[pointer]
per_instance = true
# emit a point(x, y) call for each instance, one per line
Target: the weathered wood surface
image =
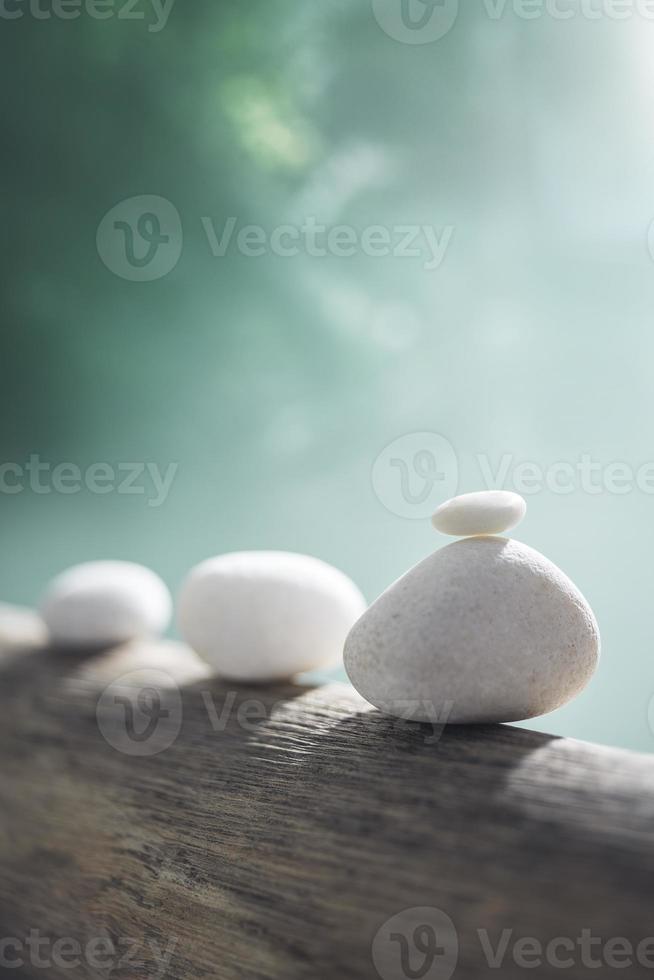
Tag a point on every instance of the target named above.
point(282, 828)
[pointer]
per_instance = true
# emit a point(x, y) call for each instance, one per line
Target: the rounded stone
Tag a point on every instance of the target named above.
point(265, 615)
point(485, 512)
point(484, 630)
point(102, 603)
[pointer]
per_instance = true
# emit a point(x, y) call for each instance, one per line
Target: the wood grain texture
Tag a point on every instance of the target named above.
point(283, 827)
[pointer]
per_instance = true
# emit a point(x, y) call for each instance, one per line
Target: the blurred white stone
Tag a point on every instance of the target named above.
point(20, 626)
point(267, 615)
point(101, 603)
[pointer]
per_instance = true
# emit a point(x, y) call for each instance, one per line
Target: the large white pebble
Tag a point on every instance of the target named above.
point(486, 512)
point(484, 630)
point(101, 603)
point(267, 615)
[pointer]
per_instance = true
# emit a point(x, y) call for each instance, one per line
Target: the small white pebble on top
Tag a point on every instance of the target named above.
point(486, 512)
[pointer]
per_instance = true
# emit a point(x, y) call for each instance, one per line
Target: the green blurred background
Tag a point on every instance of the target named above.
point(274, 383)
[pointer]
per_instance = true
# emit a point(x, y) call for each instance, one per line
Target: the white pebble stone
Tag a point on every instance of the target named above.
point(484, 630)
point(101, 603)
point(267, 615)
point(486, 512)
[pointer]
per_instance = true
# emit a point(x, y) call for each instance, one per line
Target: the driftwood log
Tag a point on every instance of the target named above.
point(161, 824)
